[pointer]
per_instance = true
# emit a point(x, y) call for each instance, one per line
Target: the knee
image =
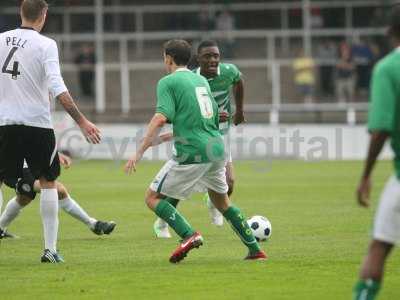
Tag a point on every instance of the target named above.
point(231, 183)
point(23, 200)
point(45, 184)
point(151, 199)
point(61, 191)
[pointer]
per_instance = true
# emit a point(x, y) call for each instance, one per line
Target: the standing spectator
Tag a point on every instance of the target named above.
point(205, 20)
point(363, 58)
point(304, 76)
point(316, 18)
point(326, 52)
point(345, 76)
point(86, 63)
point(225, 22)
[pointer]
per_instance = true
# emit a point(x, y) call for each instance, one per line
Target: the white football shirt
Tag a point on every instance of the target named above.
point(30, 71)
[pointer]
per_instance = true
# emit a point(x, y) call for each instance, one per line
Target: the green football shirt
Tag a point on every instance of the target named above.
point(384, 106)
point(221, 86)
point(185, 99)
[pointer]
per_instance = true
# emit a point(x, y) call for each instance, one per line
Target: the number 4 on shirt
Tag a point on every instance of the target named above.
point(14, 72)
point(205, 103)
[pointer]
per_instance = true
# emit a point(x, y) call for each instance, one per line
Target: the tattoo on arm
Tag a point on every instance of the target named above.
point(70, 107)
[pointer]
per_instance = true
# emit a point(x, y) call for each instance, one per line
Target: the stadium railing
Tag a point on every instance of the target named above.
point(271, 63)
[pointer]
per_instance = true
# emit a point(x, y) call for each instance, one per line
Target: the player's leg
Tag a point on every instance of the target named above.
point(71, 207)
point(215, 180)
point(385, 234)
point(160, 227)
point(238, 223)
point(372, 269)
point(11, 212)
point(165, 211)
point(42, 159)
point(11, 163)
point(1, 197)
point(178, 183)
point(49, 213)
point(215, 215)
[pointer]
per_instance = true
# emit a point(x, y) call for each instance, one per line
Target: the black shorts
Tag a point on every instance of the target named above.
point(35, 145)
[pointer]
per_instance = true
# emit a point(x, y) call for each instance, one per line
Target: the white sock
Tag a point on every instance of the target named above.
point(161, 223)
point(71, 207)
point(49, 213)
point(1, 200)
point(11, 211)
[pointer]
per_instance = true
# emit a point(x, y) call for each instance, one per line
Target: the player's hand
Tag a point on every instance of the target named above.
point(363, 192)
point(223, 117)
point(131, 164)
point(65, 160)
point(91, 132)
point(239, 118)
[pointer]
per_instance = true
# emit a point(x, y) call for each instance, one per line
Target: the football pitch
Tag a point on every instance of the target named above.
point(319, 236)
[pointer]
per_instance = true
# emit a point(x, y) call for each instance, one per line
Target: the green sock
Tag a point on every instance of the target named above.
point(174, 219)
point(366, 289)
point(174, 202)
point(240, 226)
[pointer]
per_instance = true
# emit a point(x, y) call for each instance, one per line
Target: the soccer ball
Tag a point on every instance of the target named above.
point(261, 228)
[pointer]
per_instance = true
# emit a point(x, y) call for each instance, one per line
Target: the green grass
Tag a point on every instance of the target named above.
point(319, 237)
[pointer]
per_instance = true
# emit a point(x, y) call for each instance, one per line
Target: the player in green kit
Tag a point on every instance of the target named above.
point(184, 99)
point(383, 123)
point(223, 79)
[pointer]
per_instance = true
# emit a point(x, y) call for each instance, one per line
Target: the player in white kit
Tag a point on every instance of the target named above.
point(30, 70)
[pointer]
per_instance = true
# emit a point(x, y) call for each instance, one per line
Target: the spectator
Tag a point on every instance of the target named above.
point(363, 58)
point(316, 18)
point(326, 52)
point(86, 63)
point(345, 76)
point(225, 22)
point(205, 20)
point(378, 18)
point(304, 76)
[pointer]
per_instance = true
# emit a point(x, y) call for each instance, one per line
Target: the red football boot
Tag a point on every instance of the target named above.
point(260, 255)
point(194, 241)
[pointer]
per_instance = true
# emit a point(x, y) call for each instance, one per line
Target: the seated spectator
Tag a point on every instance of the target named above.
point(304, 75)
point(345, 77)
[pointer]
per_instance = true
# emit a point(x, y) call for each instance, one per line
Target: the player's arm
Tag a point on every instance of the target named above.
point(89, 130)
point(153, 129)
point(238, 94)
point(381, 120)
point(163, 138)
point(59, 91)
point(377, 141)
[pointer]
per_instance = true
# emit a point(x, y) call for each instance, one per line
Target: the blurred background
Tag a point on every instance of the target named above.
point(305, 62)
point(339, 41)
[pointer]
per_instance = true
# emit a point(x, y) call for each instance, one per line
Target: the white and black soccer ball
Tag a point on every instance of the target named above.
point(261, 228)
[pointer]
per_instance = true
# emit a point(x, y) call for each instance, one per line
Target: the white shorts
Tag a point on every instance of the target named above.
point(180, 181)
point(387, 218)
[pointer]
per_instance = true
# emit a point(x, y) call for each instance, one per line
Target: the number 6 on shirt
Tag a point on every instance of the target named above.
point(205, 103)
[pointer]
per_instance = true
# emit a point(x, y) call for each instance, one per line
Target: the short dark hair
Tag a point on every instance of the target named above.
point(205, 44)
point(394, 21)
point(32, 9)
point(179, 50)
